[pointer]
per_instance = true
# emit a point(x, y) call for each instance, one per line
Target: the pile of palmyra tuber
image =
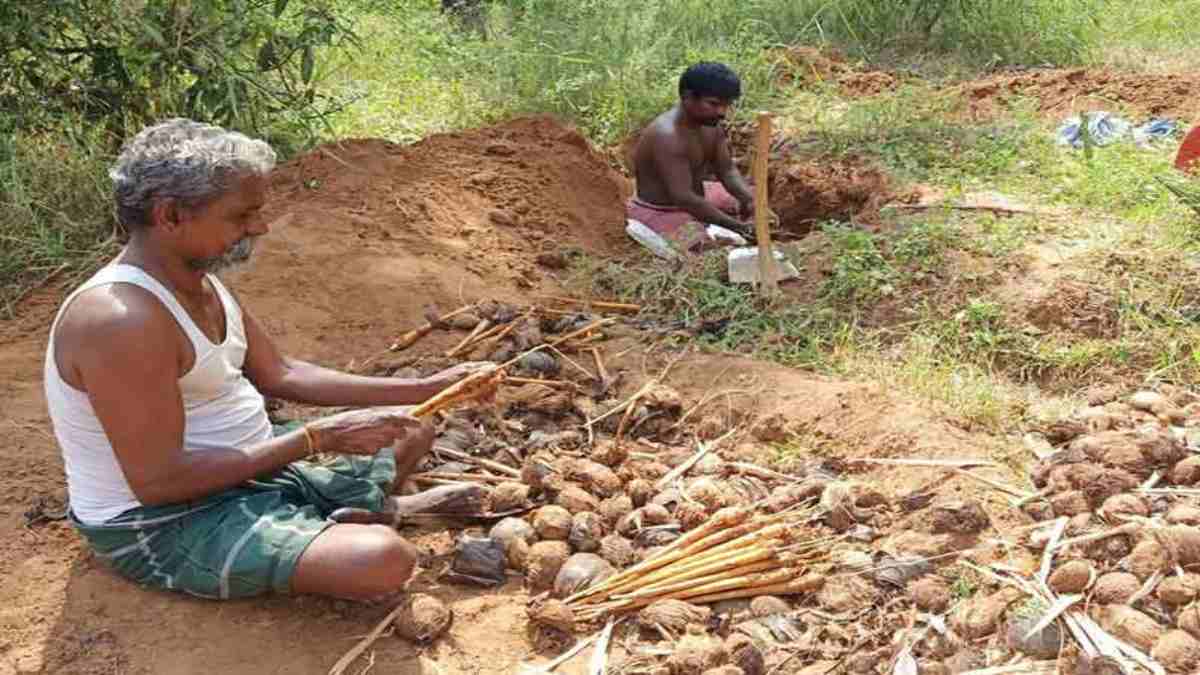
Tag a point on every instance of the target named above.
point(617, 512)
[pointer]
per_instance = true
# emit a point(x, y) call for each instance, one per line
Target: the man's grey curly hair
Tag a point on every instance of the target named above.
point(183, 160)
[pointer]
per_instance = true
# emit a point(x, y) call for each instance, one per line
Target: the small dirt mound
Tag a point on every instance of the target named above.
point(1075, 306)
point(805, 193)
point(1062, 92)
point(808, 65)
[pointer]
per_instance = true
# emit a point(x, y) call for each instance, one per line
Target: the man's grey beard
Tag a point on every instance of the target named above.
point(236, 255)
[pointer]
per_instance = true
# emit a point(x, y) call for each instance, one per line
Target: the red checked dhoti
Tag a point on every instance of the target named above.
point(675, 224)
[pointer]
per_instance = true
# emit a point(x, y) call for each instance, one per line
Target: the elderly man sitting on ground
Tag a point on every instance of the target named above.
point(155, 377)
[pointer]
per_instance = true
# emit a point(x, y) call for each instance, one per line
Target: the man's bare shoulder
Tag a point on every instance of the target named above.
point(107, 317)
point(662, 135)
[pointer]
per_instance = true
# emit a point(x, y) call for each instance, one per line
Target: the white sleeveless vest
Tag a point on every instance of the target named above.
point(222, 409)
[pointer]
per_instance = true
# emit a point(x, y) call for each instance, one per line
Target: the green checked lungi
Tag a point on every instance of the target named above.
point(244, 541)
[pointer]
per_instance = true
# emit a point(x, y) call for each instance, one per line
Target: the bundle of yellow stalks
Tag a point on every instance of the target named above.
point(732, 555)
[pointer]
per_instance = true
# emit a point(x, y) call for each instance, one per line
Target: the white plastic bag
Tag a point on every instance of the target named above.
point(650, 239)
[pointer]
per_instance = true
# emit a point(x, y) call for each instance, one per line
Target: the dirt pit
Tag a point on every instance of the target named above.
point(1061, 92)
point(805, 193)
point(1076, 306)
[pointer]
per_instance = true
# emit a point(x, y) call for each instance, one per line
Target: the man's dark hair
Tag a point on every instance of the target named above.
point(711, 79)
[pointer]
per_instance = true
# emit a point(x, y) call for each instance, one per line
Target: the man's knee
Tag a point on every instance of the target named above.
point(385, 558)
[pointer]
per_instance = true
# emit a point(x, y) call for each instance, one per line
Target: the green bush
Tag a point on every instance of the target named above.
point(245, 64)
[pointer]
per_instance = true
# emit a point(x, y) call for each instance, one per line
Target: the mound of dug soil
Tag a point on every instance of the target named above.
point(505, 192)
point(1065, 91)
point(808, 65)
point(381, 231)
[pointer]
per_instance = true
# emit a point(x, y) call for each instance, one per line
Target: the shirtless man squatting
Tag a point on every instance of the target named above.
point(678, 151)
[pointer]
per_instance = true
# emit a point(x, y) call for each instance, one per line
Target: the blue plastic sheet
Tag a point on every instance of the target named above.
point(1107, 128)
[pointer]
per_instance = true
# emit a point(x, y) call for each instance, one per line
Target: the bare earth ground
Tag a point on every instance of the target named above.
point(376, 237)
point(378, 234)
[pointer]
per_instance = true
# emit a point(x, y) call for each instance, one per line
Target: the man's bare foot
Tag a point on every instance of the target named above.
point(449, 500)
point(446, 500)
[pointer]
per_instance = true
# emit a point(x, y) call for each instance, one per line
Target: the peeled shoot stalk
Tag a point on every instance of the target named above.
point(737, 569)
point(778, 577)
point(805, 584)
point(706, 568)
point(766, 534)
point(475, 386)
point(726, 523)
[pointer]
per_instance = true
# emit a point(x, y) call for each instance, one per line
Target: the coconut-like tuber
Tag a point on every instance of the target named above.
point(1069, 503)
point(1178, 652)
point(1128, 624)
point(959, 517)
point(579, 572)
point(509, 496)
point(640, 491)
point(552, 612)
point(654, 514)
point(657, 536)
point(617, 550)
point(552, 522)
point(615, 508)
point(745, 654)
point(981, 616)
point(1186, 472)
point(609, 453)
point(690, 515)
point(517, 553)
point(673, 615)
point(632, 470)
point(1179, 590)
point(670, 498)
point(1147, 558)
point(1184, 514)
point(696, 653)
point(513, 528)
point(515, 535)
point(1126, 504)
point(710, 492)
point(536, 470)
point(844, 593)
point(422, 618)
point(767, 605)
point(1115, 588)
point(930, 594)
point(1189, 619)
point(1181, 545)
point(597, 479)
point(1072, 577)
point(587, 529)
point(543, 562)
point(577, 500)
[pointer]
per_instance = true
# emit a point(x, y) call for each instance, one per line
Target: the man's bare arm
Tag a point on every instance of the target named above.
point(727, 172)
point(671, 160)
point(135, 394)
point(291, 379)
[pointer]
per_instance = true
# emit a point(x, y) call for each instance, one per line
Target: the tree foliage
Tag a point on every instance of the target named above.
point(245, 64)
